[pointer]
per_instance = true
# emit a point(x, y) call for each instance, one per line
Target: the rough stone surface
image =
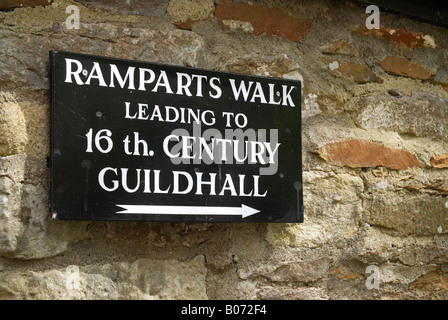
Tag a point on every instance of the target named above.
point(405, 38)
point(437, 186)
point(440, 161)
point(278, 66)
point(244, 26)
point(359, 154)
point(191, 10)
point(405, 214)
point(144, 279)
point(287, 293)
point(308, 235)
point(444, 85)
point(321, 103)
point(419, 114)
point(333, 209)
point(340, 47)
point(26, 231)
point(301, 271)
point(24, 53)
point(271, 21)
point(11, 4)
point(378, 248)
point(138, 7)
point(13, 133)
point(352, 71)
point(434, 282)
point(402, 67)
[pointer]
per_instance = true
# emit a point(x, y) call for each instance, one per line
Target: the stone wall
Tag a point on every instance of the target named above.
point(375, 155)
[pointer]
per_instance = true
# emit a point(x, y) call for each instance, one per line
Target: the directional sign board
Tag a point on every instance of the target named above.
point(134, 140)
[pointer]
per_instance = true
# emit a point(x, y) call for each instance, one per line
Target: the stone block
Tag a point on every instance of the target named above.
point(340, 47)
point(433, 285)
point(25, 228)
point(363, 153)
point(378, 247)
point(191, 10)
point(264, 20)
point(144, 279)
point(402, 67)
point(405, 38)
point(356, 72)
point(406, 214)
point(332, 211)
point(440, 161)
point(420, 114)
point(30, 54)
point(135, 7)
point(277, 66)
point(12, 4)
point(281, 271)
point(291, 293)
point(13, 133)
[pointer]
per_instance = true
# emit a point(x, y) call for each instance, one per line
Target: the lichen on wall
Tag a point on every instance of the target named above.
point(374, 146)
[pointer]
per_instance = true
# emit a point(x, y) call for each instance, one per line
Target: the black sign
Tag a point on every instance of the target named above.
point(141, 141)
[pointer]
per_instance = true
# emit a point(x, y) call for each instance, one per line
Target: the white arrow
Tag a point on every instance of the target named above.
point(243, 211)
